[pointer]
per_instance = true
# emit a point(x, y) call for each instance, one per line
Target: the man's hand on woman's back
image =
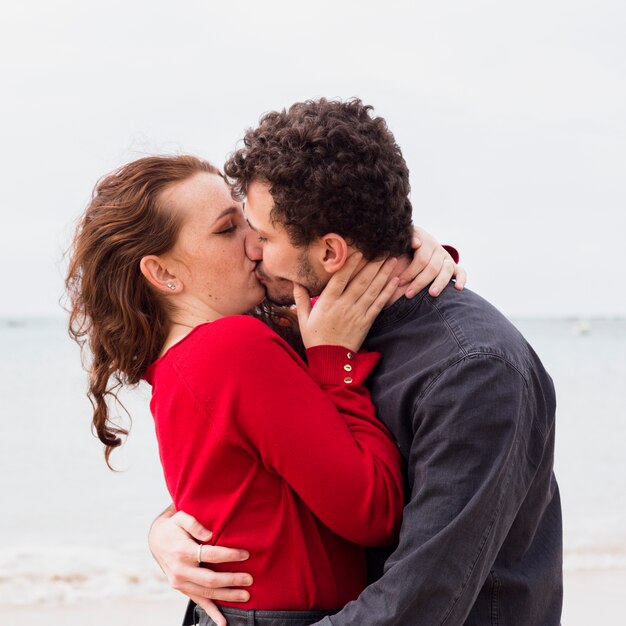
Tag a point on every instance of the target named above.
point(175, 539)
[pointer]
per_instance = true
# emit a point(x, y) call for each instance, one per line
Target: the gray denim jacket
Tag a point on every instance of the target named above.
point(472, 410)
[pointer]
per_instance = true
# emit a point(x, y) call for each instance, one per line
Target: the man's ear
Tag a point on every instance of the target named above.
point(157, 274)
point(331, 251)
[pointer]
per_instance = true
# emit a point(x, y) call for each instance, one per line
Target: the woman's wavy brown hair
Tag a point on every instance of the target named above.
point(114, 313)
point(113, 310)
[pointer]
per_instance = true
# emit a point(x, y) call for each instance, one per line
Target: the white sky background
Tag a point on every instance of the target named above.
point(511, 116)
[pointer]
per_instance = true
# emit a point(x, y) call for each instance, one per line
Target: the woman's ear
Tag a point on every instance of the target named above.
point(157, 274)
point(332, 251)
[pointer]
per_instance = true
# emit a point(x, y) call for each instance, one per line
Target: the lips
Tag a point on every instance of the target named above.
point(260, 274)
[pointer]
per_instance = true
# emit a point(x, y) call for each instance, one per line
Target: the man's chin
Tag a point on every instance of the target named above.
point(277, 291)
point(280, 299)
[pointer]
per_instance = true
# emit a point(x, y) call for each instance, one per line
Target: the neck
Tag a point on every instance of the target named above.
point(183, 320)
point(191, 312)
point(174, 335)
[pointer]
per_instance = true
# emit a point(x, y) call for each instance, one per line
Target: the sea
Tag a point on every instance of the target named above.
point(72, 530)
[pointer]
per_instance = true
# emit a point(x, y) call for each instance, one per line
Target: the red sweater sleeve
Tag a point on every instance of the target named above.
point(453, 252)
point(327, 444)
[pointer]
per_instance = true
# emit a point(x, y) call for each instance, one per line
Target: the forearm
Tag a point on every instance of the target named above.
point(469, 475)
point(438, 581)
point(166, 513)
point(366, 474)
point(331, 437)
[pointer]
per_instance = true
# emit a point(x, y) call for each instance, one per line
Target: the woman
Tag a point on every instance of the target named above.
point(159, 283)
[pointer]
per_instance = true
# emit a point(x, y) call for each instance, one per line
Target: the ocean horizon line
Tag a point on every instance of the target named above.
point(31, 320)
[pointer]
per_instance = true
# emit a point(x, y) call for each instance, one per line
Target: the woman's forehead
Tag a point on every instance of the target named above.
point(202, 195)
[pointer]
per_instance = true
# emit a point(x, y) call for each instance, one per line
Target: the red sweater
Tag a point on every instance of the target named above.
point(298, 475)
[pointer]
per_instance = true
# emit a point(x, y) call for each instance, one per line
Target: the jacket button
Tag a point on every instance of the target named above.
point(347, 380)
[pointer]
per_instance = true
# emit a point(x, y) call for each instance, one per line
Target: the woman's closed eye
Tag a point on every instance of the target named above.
point(226, 230)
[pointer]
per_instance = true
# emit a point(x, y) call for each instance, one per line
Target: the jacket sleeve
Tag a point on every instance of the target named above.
point(325, 442)
point(473, 457)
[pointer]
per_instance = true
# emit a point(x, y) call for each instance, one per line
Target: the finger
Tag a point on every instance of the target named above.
point(365, 279)
point(219, 554)
point(419, 234)
point(383, 298)
point(416, 242)
point(192, 526)
point(341, 277)
point(302, 300)
point(225, 594)
point(377, 284)
point(418, 263)
point(443, 278)
point(423, 255)
point(211, 609)
point(461, 278)
point(206, 582)
point(425, 277)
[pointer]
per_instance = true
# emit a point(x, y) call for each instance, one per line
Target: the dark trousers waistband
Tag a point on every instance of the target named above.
point(253, 617)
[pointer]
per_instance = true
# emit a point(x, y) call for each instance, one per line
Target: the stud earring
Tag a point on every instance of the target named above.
point(171, 286)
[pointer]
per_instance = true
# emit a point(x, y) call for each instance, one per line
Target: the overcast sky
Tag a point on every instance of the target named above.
point(511, 116)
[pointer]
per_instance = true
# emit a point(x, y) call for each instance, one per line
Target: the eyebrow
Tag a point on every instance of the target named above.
point(228, 211)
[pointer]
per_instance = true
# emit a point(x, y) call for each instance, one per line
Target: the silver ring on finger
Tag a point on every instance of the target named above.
point(199, 555)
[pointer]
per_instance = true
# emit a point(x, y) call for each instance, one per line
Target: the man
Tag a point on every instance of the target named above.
point(466, 398)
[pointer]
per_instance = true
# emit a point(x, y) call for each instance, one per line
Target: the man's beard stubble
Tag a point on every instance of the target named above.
point(280, 290)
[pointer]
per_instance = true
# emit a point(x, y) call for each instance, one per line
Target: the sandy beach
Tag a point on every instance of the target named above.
point(591, 598)
point(115, 612)
point(594, 597)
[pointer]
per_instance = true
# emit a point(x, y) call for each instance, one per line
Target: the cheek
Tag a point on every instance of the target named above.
point(215, 269)
point(275, 259)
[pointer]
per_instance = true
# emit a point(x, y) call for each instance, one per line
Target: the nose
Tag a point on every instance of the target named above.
point(254, 250)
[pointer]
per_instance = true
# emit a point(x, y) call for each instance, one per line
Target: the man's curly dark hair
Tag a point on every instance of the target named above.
point(332, 167)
